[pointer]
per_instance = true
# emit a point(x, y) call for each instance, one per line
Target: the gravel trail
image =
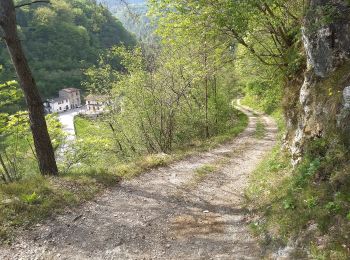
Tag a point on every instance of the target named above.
point(167, 213)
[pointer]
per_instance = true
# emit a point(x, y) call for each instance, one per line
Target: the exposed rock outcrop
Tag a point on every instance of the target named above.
point(324, 97)
point(326, 35)
point(343, 121)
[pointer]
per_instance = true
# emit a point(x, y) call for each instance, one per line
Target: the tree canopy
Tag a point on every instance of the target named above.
point(62, 38)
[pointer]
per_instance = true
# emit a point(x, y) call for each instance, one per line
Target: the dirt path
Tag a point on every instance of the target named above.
point(67, 120)
point(168, 213)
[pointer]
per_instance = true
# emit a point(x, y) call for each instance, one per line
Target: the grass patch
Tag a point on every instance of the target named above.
point(84, 127)
point(205, 170)
point(260, 130)
point(142, 164)
point(29, 201)
point(274, 169)
point(311, 202)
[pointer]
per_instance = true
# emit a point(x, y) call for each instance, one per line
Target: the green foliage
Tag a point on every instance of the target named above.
point(263, 96)
point(289, 203)
point(63, 38)
point(169, 101)
point(134, 18)
point(96, 146)
point(322, 16)
point(163, 102)
point(315, 193)
point(17, 146)
point(262, 86)
point(33, 199)
point(10, 94)
point(348, 216)
point(307, 171)
point(267, 178)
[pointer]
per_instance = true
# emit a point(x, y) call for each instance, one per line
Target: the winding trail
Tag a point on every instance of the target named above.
point(167, 213)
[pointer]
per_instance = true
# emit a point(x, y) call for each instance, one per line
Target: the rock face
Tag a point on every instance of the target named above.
point(346, 95)
point(324, 97)
point(326, 35)
point(343, 121)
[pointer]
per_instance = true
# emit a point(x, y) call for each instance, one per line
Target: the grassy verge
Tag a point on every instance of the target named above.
point(144, 163)
point(309, 204)
point(28, 201)
point(85, 127)
point(35, 198)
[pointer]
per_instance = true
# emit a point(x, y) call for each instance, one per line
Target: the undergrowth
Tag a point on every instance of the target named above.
point(309, 204)
point(31, 200)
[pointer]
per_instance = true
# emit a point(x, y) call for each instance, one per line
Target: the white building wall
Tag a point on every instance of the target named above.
point(63, 106)
point(95, 106)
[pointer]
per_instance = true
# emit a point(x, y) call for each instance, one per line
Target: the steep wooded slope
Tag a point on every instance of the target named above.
point(63, 38)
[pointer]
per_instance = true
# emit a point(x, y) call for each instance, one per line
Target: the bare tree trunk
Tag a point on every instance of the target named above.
point(206, 83)
point(216, 99)
point(42, 142)
point(206, 97)
point(206, 108)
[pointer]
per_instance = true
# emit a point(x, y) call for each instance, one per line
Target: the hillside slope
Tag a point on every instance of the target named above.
point(62, 39)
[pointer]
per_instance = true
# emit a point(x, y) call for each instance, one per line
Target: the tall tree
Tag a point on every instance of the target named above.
point(42, 142)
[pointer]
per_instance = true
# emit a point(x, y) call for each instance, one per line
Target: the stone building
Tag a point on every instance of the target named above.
point(73, 95)
point(69, 98)
point(96, 104)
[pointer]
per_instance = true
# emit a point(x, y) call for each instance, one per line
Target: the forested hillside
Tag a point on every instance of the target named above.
point(63, 38)
point(133, 15)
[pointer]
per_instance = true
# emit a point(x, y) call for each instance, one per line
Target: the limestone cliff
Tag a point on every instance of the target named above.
point(323, 105)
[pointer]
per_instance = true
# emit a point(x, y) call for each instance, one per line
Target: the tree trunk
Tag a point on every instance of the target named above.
point(216, 101)
point(42, 142)
point(207, 135)
point(206, 109)
point(6, 171)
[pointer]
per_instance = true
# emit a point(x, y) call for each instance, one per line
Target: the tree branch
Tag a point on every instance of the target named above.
point(33, 2)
